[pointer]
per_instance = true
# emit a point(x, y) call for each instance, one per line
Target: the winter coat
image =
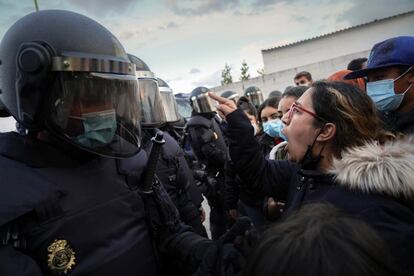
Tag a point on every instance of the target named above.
point(370, 183)
point(399, 123)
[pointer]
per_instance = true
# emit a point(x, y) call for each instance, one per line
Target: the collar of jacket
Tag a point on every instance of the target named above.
point(315, 178)
point(382, 169)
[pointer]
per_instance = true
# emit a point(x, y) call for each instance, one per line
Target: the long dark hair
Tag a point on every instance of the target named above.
point(272, 102)
point(320, 240)
point(351, 110)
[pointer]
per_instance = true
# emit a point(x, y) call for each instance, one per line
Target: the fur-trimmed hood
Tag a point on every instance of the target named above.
point(385, 169)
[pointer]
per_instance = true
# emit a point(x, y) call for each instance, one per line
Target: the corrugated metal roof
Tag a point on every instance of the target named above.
point(338, 31)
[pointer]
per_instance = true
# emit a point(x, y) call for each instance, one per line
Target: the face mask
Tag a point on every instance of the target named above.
point(99, 128)
point(274, 128)
point(383, 94)
point(255, 128)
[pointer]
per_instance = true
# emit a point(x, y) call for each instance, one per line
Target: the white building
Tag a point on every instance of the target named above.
point(322, 55)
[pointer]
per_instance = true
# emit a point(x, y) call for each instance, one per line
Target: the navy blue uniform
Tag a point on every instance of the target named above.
point(66, 211)
point(208, 144)
point(177, 178)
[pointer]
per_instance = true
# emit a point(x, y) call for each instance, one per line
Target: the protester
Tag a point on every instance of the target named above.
point(320, 240)
point(339, 76)
point(390, 83)
point(357, 64)
point(334, 157)
point(303, 79)
point(268, 115)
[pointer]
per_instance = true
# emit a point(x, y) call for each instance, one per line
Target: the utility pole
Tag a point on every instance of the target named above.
point(36, 5)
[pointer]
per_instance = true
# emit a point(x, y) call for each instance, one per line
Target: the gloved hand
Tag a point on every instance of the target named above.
point(236, 245)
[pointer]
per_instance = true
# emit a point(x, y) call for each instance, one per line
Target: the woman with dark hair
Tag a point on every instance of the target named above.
point(334, 157)
point(320, 240)
point(268, 114)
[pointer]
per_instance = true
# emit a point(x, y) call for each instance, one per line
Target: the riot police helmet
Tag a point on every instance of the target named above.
point(201, 102)
point(255, 96)
point(65, 73)
point(168, 101)
point(152, 110)
point(231, 95)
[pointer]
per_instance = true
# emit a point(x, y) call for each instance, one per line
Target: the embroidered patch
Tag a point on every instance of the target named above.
point(61, 256)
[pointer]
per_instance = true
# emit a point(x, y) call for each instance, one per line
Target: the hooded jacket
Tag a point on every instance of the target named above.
point(372, 183)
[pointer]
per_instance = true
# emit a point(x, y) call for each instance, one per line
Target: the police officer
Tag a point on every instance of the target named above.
point(68, 206)
point(208, 144)
point(172, 168)
point(231, 95)
point(255, 96)
point(175, 125)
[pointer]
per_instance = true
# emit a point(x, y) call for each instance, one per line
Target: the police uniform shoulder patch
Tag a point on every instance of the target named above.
point(61, 256)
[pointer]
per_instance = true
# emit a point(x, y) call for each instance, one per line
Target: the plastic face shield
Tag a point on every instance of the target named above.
point(256, 98)
point(152, 110)
point(98, 112)
point(169, 104)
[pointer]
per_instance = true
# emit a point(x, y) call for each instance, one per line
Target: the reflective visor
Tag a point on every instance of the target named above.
point(170, 105)
point(256, 98)
point(153, 113)
point(202, 103)
point(184, 107)
point(97, 112)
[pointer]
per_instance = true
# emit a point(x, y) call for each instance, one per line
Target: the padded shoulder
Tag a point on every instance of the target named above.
point(199, 121)
point(22, 190)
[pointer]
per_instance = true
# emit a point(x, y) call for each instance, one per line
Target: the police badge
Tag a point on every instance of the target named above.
point(61, 256)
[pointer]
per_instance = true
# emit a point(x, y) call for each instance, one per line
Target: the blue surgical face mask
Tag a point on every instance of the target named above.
point(274, 128)
point(383, 93)
point(99, 128)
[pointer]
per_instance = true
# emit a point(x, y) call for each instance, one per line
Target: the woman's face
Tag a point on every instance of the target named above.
point(269, 113)
point(285, 104)
point(299, 128)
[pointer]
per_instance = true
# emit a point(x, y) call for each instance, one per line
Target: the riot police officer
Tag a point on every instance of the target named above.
point(68, 204)
point(208, 144)
point(255, 96)
point(231, 95)
point(175, 124)
point(172, 168)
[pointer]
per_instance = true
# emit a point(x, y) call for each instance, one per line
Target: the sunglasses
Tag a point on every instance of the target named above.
point(295, 108)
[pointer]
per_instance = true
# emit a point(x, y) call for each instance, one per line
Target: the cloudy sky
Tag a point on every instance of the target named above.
point(187, 42)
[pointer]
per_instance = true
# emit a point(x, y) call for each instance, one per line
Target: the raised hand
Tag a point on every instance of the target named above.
point(225, 106)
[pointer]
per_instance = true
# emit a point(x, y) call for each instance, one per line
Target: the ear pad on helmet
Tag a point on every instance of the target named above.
point(33, 58)
point(33, 61)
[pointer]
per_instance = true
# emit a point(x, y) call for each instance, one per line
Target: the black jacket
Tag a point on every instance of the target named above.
point(207, 141)
point(354, 185)
point(403, 123)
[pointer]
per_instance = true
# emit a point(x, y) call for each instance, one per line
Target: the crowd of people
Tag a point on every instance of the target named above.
point(103, 176)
